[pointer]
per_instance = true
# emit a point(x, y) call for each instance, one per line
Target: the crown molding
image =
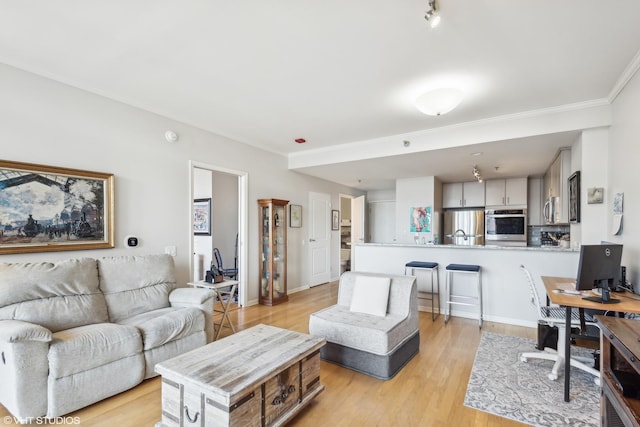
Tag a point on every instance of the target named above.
point(624, 78)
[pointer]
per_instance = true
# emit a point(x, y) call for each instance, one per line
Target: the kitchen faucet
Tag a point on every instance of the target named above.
point(464, 235)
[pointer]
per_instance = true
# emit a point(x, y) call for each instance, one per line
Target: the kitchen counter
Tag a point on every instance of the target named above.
point(492, 247)
point(505, 289)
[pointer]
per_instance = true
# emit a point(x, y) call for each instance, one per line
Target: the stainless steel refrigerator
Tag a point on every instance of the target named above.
point(463, 227)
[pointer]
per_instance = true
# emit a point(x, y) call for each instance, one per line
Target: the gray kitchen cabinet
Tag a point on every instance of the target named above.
point(463, 195)
point(506, 192)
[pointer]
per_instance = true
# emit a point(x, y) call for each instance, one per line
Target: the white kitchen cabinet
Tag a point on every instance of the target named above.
point(463, 195)
point(452, 195)
point(516, 192)
point(494, 192)
point(506, 192)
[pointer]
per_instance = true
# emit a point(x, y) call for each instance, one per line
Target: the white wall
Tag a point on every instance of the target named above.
point(225, 215)
point(623, 166)
point(381, 196)
point(381, 206)
point(49, 123)
point(590, 155)
point(410, 193)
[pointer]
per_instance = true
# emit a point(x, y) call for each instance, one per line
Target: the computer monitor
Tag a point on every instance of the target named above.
point(599, 267)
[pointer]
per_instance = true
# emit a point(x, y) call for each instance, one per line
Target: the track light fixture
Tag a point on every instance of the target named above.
point(476, 173)
point(432, 15)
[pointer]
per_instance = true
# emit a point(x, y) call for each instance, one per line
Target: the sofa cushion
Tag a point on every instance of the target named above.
point(370, 295)
point(57, 295)
point(159, 327)
point(366, 332)
point(136, 284)
point(87, 347)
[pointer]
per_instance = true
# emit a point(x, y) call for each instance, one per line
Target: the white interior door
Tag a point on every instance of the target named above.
point(357, 226)
point(319, 238)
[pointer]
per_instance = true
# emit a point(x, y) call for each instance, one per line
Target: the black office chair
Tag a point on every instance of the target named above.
point(231, 273)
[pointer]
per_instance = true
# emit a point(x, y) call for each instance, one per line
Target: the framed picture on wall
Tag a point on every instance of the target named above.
point(295, 216)
point(335, 220)
point(202, 217)
point(47, 208)
point(574, 197)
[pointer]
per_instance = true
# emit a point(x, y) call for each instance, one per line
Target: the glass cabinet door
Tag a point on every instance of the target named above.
point(273, 251)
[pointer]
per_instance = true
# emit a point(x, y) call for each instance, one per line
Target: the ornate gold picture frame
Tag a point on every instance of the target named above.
point(47, 208)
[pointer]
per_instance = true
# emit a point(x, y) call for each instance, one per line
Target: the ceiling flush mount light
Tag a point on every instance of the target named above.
point(439, 101)
point(432, 15)
point(476, 173)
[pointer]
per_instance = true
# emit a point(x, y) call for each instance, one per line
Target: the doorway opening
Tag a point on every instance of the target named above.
point(345, 232)
point(227, 191)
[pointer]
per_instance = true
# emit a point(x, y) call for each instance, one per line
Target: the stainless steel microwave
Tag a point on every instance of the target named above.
point(506, 226)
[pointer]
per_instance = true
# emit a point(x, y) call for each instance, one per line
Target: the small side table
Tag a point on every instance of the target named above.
point(220, 290)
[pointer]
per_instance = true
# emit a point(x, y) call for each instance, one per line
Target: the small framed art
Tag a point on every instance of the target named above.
point(574, 198)
point(202, 217)
point(295, 216)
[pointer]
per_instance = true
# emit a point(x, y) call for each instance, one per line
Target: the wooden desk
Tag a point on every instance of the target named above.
point(218, 288)
point(629, 303)
point(620, 354)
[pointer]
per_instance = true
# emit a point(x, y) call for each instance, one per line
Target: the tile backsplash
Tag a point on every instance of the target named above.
point(539, 235)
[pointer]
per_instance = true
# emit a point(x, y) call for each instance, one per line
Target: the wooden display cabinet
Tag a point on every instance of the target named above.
point(619, 371)
point(273, 251)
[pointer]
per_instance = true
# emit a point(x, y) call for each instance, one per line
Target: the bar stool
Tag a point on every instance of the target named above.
point(432, 267)
point(474, 300)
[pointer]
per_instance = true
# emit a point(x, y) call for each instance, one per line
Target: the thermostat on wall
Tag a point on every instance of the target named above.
point(131, 241)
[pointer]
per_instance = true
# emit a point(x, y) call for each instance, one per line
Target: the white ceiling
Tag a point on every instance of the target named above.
point(335, 72)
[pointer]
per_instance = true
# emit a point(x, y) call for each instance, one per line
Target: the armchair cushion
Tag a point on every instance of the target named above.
point(56, 295)
point(375, 334)
point(159, 327)
point(136, 284)
point(83, 348)
point(370, 295)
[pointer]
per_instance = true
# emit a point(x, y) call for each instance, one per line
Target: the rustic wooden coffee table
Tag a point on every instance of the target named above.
point(261, 376)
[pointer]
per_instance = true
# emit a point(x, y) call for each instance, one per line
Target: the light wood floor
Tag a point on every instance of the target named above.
point(428, 391)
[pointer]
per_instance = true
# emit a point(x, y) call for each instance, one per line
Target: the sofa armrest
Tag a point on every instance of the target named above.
point(196, 297)
point(190, 296)
point(24, 368)
point(19, 331)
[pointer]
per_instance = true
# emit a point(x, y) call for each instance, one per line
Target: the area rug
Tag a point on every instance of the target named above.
point(502, 385)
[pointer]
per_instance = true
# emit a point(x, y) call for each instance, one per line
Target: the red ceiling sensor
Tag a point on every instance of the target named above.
point(300, 140)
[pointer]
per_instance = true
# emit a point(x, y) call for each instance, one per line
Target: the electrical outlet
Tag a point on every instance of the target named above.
point(170, 250)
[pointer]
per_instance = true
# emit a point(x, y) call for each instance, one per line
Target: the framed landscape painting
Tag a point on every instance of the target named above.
point(47, 208)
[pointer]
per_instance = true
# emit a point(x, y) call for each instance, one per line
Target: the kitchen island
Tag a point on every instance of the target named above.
point(506, 295)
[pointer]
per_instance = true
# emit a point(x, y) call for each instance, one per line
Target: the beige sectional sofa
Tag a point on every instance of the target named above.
point(77, 331)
